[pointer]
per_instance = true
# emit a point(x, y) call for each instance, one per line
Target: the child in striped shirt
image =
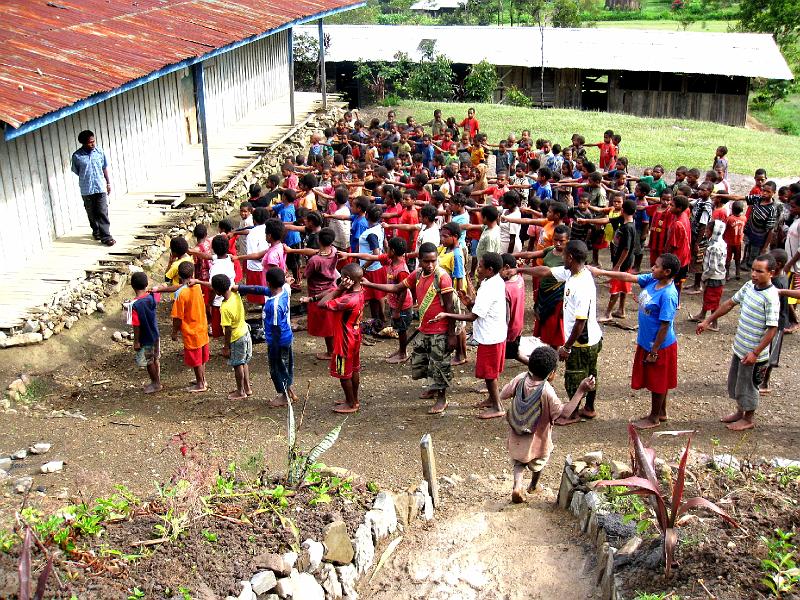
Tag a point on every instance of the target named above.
point(758, 324)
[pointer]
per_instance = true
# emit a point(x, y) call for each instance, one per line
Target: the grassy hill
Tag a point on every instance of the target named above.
point(670, 142)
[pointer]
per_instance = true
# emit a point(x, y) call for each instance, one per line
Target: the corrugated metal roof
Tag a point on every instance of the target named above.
point(742, 54)
point(55, 53)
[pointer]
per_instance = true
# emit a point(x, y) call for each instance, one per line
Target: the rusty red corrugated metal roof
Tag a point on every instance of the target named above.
point(55, 53)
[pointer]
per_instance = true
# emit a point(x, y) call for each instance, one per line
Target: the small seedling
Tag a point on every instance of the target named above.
point(781, 573)
point(209, 536)
point(185, 593)
point(372, 487)
point(136, 594)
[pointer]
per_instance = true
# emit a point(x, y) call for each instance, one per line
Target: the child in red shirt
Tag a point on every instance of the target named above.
point(608, 151)
point(515, 305)
point(321, 275)
point(679, 240)
point(347, 303)
point(734, 237)
point(470, 124)
point(660, 220)
point(409, 216)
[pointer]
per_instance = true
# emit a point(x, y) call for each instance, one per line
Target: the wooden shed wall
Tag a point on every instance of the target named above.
point(730, 109)
point(39, 195)
point(568, 88)
point(244, 79)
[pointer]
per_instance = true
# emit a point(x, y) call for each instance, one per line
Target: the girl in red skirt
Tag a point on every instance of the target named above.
point(655, 363)
point(321, 275)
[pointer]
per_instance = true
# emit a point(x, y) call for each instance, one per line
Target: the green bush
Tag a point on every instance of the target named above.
point(431, 78)
point(481, 82)
point(514, 97)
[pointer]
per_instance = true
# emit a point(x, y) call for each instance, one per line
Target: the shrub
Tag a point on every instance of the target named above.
point(481, 82)
point(432, 77)
point(515, 97)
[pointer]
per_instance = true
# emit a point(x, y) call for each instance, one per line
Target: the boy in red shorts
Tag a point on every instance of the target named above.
point(189, 319)
point(347, 302)
point(490, 329)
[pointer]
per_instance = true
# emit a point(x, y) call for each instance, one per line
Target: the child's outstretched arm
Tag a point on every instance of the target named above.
point(723, 310)
point(538, 271)
point(534, 254)
point(586, 386)
point(302, 251)
point(616, 274)
point(539, 222)
point(790, 293)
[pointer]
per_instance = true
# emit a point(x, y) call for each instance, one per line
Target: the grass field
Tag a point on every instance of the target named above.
point(712, 26)
point(784, 116)
point(670, 142)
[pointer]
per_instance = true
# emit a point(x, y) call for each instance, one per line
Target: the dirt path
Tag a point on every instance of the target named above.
point(490, 550)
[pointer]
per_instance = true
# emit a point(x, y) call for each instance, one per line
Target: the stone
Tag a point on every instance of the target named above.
point(54, 466)
point(784, 463)
point(40, 448)
point(247, 592)
point(594, 500)
point(284, 588)
point(5, 462)
point(620, 470)
point(18, 385)
point(311, 556)
point(579, 466)
point(263, 581)
point(305, 587)
point(474, 577)
point(273, 562)
point(723, 461)
point(378, 522)
point(607, 582)
point(21, 339)
point(20, 454)
point(330, 582)
point(23, 485)
point(385, 502)
point(577, 502)
point(338, 547)
point(565, 490)
point(31, 326)
point(4, 475)
point(101, 307)
point(593, 457)
point(348, 578)
point(47, 333)
point(364, 548)
point(117, 336)
point(69, 322)
point(290, 558)
point(427, 513)
point(402, 507)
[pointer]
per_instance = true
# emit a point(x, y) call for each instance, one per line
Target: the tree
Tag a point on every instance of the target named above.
point(566, 13)
point(781, 18)
point(431, 78)
point(382, 77)
point(627, 5)
point(306, 61)
point(481, 82)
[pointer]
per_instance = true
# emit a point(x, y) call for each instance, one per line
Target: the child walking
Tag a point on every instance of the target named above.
point(758, 324)
point(238, 343)
point(277, 332)
point(533, 411)
point(146, 339)
point(347, 302)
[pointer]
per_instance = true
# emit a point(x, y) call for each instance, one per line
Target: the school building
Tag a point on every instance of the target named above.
point(693, 75)
point(181, 95)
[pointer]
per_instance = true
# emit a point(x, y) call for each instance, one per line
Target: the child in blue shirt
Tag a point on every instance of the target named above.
point(286, 212)
point(277, 332)
point(146, 339)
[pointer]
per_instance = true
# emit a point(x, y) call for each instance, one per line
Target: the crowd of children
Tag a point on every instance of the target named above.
point(432, 223)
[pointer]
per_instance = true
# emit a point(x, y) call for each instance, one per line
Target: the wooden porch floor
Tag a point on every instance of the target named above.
point(136, 214)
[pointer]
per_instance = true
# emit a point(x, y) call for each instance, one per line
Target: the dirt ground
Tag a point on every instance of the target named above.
point(123, 436)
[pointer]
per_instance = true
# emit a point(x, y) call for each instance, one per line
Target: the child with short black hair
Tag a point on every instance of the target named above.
point(714, 272)
point(533, 410)
point(178, 254)
point(781, 282)
point(238, 343)
point(146, 339)
point(734, 238)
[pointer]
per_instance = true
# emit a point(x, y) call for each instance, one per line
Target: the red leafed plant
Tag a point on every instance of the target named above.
point(670, 509)
point(25, 570)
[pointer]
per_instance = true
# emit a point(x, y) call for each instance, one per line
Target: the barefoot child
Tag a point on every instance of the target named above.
point(277, 332)
point(146, 339)
point(490, 328)
point(347, 303)
point(534, 408)
point(781, 282)
point(714, 272)
point(189, 319)
point(321, 275)
point(238, 343)
point(758, 323)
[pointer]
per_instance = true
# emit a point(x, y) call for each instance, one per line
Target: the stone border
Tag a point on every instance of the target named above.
point(587, 506)
point(85, 295)
point(333, 568)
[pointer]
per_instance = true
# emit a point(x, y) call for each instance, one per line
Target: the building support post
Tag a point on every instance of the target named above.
point(290, 56)
point(323, 84)
point(199, 88)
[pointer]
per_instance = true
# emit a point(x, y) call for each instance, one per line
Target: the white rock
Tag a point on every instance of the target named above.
point(5, 462)
point(23, 485)
point(364, 548)
point(247, 592)
point(263, 582)
point(290, 558)
point(312, 555)
point(379, 524)
point(284, 587)
point(348, 578)
point(330, 582)
point(40, 448)
point(305, 587)
point(723, 461)
point(385, 502)
point(101, 307)
point(593, 457)
point(21, 339)
point(783, 463)
point(18, 385)
point(4, 475)
point(19, 454)
point(54, 466)
point(427, 512)
point(31, 326)
point(117, 336)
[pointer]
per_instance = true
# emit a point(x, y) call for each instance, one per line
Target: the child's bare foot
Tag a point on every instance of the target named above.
point(439, 407)
point(237, 395)
point(713, 327)
point(397, 358)
point(339, 402)
point(346, 409)
point(278, 401)
point(663, 418)
point(694, 318)
point(248, 391)
point(152, 388)
point(732, 418)
point(790, 330)
point(587, 414)
point(646, 423)
point(483, 404)
point(517, 496)
point(571, 420)
point(618, 315)
point(693, 291)
point(765, 391)
point(534, 481)
point(740, 425)
point(292, 393)
point(457, 360)
point(606, 319)
point(322, 356)
point(428, 394)
point(492, 413)
point(197, 388)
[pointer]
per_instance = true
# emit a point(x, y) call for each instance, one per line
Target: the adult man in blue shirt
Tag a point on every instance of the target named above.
point(89, 163)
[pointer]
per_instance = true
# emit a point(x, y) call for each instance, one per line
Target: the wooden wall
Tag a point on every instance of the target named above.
point(244, 79)
point(529, 82)
point(568, 88)
point(730, 109)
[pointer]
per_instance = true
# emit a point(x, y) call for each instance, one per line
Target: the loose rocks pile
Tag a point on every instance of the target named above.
point(332, 568)
point(16, 461)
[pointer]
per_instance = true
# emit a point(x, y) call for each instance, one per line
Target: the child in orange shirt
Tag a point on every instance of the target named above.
point(734, 237)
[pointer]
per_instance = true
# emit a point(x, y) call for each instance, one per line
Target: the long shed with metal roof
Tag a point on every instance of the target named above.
point(154, 79)
point(693, 75)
